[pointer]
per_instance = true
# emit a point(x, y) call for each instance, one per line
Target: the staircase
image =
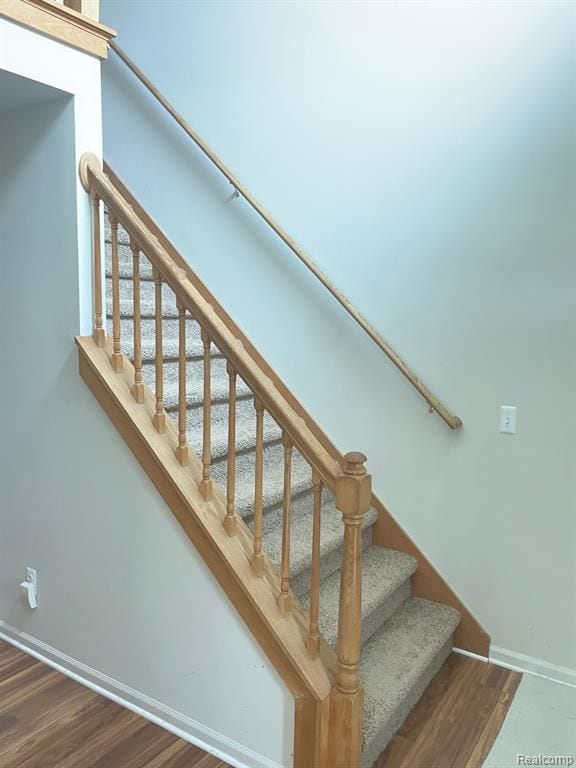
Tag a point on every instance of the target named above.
point(342, 612)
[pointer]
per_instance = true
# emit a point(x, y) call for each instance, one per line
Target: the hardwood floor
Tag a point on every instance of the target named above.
point(50, 721)
point(457, 720)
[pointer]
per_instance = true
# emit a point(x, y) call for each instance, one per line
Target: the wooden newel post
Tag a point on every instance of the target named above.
point(353, 499)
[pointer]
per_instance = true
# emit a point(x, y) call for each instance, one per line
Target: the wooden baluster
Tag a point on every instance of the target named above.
point(159, 418)
point(257, 555)
point(353, 499)
point(284, 596)
point(182, 449)
point(138, 388)
point(116, 359)
point(206, 482)
point(230, 521)
point(98, 334)
point(313, 640)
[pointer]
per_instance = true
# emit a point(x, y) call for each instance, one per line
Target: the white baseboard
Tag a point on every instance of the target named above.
point(184, 727)
point(518, 661)
point(471, 655)
point(502, 657)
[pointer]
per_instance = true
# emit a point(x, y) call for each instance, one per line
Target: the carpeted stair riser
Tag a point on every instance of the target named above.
point(147, 300)
point(405, 640)
point(170, 340)
point(125, 264)
point(386, 585)
point(245, 429)
point(331, 539)
point(273, 478)
point(301, 541)
point(195, 383)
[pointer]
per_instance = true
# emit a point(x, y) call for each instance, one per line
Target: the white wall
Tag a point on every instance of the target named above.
point(124, 599)
point(420, 152)
point(31, 55)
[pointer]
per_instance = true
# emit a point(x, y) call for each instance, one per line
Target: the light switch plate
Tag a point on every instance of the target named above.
point(508, 417)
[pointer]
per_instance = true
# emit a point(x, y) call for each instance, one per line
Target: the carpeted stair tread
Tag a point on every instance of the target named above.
point(195, 383)
point(398, 663)
point(147, 299)
point(273, 478)
point(122, 235)
point(170, 339)
point(385, 586)
point(331, 538)
point(126, 265)
point(245, 429)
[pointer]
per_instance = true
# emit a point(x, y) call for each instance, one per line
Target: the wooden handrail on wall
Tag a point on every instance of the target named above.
point(348, 479)
point(454, 422)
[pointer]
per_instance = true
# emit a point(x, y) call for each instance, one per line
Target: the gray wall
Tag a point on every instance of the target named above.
point(421, 153)
point(121, 589)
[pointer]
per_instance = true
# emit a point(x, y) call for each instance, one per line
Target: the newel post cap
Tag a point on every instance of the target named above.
point(353, 463)
point(88, 159)
point(354, 488)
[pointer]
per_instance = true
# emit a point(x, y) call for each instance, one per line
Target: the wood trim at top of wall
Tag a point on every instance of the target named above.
point(60, 23)
point(426, 582)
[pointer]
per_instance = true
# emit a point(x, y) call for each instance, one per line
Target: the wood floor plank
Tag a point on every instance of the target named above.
point(50, 721)
point(35, 713)
point(167, 758)
point(136, 750)
point(457, 719)
point(55, 745)
point(17, 687)
point(102, 739)
point(188, 756)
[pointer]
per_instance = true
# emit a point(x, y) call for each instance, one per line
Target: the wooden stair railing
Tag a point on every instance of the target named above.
point(348, 481)
point(454, 422)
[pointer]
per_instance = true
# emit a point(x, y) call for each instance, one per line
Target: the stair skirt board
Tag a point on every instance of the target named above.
point(405, 640)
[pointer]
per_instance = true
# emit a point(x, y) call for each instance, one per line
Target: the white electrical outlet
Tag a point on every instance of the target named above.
point(30, 586)
point(508, 415)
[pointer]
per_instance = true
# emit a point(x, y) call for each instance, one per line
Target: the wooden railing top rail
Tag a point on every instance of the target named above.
point(454, 422)
point(95, 181)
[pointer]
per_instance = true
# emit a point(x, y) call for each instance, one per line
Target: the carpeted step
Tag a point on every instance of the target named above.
point(147, 300)
point(397, 665)
point(122, 234)
point(385, 586)
point(123, 237)
point(170, 339)
point(125, 264)
point(245, 429)
point(273, 478)
point(331, 538)
point(195, 383)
